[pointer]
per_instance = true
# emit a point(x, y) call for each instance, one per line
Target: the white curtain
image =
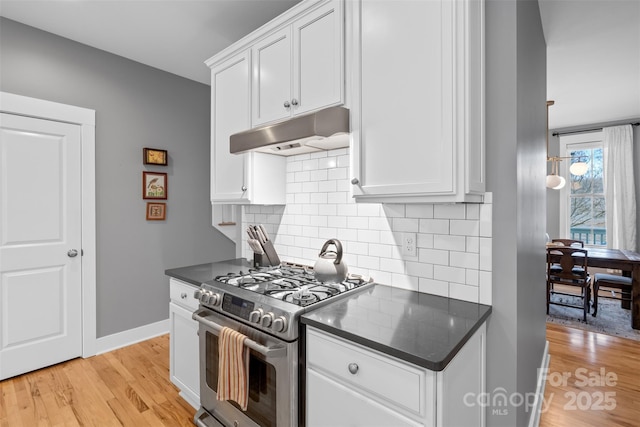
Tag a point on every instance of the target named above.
point(620, 198)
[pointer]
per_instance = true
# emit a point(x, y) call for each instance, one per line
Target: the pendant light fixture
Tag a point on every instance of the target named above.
point(554, 180)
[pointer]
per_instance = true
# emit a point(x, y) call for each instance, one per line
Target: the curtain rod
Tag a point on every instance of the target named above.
point(588, 130)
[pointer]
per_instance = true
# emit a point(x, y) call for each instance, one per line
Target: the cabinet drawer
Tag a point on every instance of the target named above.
point(383, 376)
point(182, 294)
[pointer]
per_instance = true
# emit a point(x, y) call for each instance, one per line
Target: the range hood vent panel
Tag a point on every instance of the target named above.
point(306, 133)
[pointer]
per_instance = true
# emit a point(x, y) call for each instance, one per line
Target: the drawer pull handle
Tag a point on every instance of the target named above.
point(183, 295)
point(353, 368)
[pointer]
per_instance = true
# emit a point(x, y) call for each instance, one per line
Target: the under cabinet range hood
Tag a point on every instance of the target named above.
point(319, 131)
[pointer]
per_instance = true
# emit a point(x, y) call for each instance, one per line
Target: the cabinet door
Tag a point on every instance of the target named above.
point(230, 113)
point(330, 403)
point(184, 358)
point(272, 78)
point(318, 46)
point(403, 123)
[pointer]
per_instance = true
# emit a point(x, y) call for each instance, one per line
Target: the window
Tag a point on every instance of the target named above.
point(582, 203)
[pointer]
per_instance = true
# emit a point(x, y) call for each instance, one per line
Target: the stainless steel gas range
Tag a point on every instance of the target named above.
point(265, 304)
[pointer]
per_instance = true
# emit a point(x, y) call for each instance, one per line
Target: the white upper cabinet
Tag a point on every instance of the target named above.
point(417, 106)
point(239, 178)
point(230, 113)
point(299, 67)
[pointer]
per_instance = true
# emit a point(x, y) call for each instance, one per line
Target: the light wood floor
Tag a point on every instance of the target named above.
point(125, 387)
point(131, 387)
point(584, 397)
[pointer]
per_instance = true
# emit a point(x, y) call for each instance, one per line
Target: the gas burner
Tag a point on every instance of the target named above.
point(292, 283)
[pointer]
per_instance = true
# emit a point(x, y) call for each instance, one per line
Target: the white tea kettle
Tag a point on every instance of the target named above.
point(329, 266)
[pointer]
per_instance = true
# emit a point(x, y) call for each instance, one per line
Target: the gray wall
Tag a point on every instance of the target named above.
point(553, 196)
point(516, 117)
point(136, 106)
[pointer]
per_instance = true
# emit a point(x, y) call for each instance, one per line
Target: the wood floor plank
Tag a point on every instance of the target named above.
point(602, 379)
point(131, 387)
point(127, 387)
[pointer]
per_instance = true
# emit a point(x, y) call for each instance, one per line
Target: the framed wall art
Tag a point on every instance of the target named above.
point(154, 185)
point(154, 156)
point(156, 211)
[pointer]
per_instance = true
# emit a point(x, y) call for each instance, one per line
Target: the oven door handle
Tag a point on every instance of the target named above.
point(273, 352)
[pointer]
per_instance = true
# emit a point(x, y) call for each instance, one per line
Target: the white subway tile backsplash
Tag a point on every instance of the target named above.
point(380, 250)
point(327, 186)
point(449, 211)
point(463, 292)
point(464, 259)
point(394, 211)
point(454, 242)
point(433, 256)
point(337, 221)
point(337, 173)
point(358, 222)
point(303, 176)
point(420, 269)
point(436, 287)
point(449, 274)
point(450, 243)
point(419, 211)
point(464, 227)
point(408, 225)
point(319, 198)
point(368, 209)
point(434, 226)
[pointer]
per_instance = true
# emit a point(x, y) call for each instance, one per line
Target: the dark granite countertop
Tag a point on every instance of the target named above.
point(198, 274)
point(423, 329)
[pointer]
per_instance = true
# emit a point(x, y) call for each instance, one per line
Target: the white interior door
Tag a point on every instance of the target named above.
point(40, 227)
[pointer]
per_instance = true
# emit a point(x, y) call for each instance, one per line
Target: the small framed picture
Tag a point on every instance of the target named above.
point(153, 156)
point(156, 211)
point(154, 185)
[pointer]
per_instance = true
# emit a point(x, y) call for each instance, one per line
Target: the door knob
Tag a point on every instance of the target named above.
point(72, 253)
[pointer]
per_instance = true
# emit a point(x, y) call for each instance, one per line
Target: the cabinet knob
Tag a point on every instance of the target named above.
point(353, 368)
point(183, 295)
point(294, 101)
point(355, 181)
point(244, 188)
point(286, 104)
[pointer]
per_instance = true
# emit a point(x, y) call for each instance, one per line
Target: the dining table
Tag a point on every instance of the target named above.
point(626, 261)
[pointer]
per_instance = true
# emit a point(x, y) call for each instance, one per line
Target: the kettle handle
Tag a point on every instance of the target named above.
point(338, 246)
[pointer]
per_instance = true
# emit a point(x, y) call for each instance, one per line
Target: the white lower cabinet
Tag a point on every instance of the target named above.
point(330, 403)
point(184, 357)
point(351, 385)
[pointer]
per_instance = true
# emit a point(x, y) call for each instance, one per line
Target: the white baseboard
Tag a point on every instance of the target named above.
point(534, 420)
point(131, 336)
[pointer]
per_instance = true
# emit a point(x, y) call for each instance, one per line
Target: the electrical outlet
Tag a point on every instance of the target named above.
point(408, 247)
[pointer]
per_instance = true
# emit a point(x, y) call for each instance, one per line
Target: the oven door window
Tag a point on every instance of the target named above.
point(262, 384)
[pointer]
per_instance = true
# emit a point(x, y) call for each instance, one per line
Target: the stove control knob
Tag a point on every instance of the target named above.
point(255, 316)
point(196, 294)
point(279, 324)
point(214, 299)
point(267, 320)
point(204, 296)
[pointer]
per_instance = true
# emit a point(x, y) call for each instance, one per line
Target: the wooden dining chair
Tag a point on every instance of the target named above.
point(569, 269)
point(569, 242)
point(609, 282)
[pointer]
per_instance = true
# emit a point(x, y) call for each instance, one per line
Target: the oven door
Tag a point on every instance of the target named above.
point(273, 375)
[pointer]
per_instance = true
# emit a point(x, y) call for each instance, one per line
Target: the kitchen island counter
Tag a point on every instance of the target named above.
point(423, 329)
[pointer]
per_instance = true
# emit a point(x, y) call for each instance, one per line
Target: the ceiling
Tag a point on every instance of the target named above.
point(593, 46)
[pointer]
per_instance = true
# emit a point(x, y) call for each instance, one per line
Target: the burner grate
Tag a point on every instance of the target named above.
point(292, 283)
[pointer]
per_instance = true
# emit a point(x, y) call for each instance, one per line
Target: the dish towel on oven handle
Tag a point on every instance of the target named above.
point(233, 367)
